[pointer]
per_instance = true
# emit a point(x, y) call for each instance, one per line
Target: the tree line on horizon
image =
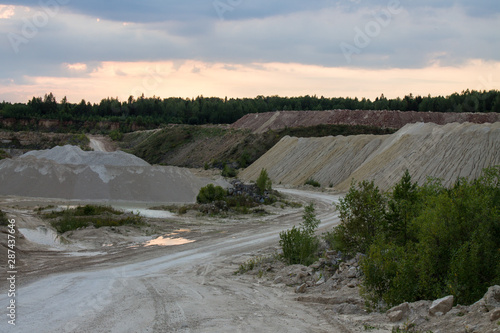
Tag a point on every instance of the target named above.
point(154, 111)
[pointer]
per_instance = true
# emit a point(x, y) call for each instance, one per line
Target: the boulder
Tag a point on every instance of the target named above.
point(398, 312)
point(395, 316)
point(442, 305)
point(301, 289)
point(352, 272)
point(495, 314)
point(492, 298)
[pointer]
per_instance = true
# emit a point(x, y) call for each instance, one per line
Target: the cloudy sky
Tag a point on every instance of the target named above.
point(92, 49)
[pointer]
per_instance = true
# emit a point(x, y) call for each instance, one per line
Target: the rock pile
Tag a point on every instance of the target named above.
point(262, 122)
point(248, 190)
point(70, 173)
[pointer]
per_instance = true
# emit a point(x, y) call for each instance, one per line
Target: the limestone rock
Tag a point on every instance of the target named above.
point(399, 312)
point(495, 314)
point(301, 289)
point(492, 298)
point(395, 316)
point(278, 280)
point(442, 305)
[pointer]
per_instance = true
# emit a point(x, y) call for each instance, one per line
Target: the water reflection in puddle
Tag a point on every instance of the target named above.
point(168, 241)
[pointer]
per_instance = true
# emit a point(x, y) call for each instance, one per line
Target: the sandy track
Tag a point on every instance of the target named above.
point(188, 288)
point(101, 143)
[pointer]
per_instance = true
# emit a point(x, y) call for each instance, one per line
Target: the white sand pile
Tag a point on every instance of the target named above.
point(446, 152)
point(74, 155)
point(70, 173)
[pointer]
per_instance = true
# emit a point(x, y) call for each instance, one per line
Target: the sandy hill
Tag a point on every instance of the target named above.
point(425, 149)
point(70, 173)
point(261, 122)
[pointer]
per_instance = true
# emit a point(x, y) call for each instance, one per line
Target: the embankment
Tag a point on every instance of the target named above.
point(262, 122)
point(425, 149)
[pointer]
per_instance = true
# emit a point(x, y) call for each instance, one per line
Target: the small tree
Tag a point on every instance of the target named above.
point(299, 245)
point(362, 215)
point(402, 209)
point(264, 183)
point(311, 222)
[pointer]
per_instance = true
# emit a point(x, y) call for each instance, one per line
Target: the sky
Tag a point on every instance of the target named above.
point(93, 49)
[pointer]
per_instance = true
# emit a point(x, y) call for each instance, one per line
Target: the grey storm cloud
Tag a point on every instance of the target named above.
point(164, 10)
point(253, 31)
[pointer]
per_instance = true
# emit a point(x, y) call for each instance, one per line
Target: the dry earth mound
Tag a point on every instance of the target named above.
point(261, 122)
point(70, 173)
point(446, 152)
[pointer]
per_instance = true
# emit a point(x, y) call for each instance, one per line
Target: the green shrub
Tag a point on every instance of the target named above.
point(264, 183)
point(451, 243)
point(229, 172)
point(3, 219)
point(72, 223)
point(300, 245)
point(210, 193)
point(116, 135)
point(3, 154)
point(312, 182)
point(362, 215)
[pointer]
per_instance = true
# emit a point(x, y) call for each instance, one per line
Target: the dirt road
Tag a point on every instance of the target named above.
point(188, 288)
point(101, 143)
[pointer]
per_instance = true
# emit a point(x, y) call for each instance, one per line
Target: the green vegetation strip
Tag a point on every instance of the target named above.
point(423, 242)
point(90, 215)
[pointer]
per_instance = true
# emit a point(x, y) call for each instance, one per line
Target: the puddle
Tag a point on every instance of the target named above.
point(42, 235)
point(168, 241)
point(151, 213)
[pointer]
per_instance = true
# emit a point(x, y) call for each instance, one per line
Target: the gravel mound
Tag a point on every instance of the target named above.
point(262, 122)
point(75, 156)
point(425, 149)
point(70, 173)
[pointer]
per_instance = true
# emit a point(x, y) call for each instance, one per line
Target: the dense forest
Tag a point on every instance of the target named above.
point(155, 111)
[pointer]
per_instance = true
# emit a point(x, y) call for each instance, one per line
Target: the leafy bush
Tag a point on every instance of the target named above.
point(362, 215)
point(429, 241)
point(300, 245)
point(229, 172)
point(264, 183)
point(84, 216)
point(210, 193)
point(312, 182)
point(116, 135)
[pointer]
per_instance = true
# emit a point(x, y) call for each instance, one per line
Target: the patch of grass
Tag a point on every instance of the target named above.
point(256, 262)
point(69, 223)
point(90, 215)
point(87, 210)
point(369, 327)
point(408, 328)
point(3, 154)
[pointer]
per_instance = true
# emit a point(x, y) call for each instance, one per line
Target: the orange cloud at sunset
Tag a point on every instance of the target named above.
point(193, 78)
